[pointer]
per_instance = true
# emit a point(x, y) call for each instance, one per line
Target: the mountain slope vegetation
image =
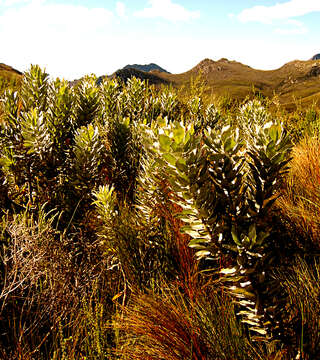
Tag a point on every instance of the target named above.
point(296, 80)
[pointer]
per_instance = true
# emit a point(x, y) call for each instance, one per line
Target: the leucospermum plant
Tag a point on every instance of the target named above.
point(226, 182)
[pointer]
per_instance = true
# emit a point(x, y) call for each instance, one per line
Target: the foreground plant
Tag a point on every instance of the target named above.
point(227, 182)
point(170, 326)
point(300, 201)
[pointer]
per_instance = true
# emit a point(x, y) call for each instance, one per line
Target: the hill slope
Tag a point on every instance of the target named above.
point(9, 77)
point(152, 78)
point(8, 72)
point(299, 79)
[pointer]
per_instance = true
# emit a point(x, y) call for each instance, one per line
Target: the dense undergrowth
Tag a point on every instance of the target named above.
point(139, 225)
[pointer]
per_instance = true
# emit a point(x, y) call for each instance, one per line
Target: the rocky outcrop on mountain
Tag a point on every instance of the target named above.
point(222, 66)
point(315, 70)
point(146, 68)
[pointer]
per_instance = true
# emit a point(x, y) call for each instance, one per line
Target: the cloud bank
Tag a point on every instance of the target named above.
point(56, 36)
point(167, 10)
point(287, 10)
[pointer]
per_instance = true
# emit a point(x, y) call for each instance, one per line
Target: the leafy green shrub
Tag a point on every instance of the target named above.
point(227, 184)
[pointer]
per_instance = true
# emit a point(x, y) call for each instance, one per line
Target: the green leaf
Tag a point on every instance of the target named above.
point(198, 243)
point(165, 142)
point(274, 132)
point(202, 254)
point(261, 237)
point(161, 122)
point(235, 236)
point(242, 293)
point(178, 134)
point(252, 234)
point(229, 144)
point(169, 158)
point(181, 165)
point(126, 122)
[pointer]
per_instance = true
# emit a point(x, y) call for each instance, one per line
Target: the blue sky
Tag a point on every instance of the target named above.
point(71, 38)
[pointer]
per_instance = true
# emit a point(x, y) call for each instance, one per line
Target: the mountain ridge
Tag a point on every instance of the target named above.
point(316, 57)
point(9, 77)
point(299, 79)
point(296, 79)
point(146, 68)
point(7, 68)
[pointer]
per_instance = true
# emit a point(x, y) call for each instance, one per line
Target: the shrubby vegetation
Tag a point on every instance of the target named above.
point(136, 224)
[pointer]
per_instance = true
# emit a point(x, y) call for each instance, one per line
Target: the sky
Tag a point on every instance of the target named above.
point(72, 38)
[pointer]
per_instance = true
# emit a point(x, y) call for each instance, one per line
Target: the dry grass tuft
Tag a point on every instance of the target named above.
point(300, 200)
point(171, 326)
point(47, 278)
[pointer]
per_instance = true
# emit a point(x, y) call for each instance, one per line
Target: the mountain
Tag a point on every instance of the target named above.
point(9, 77)
point(147, 68)
point(8, 73)
point(9, 70)
point(296, 79)
point(153, 77)
point(316, 57)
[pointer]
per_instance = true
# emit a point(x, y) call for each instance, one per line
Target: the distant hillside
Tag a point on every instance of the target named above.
point(6, 69)
point(152, 78)
point(9, 77)
point(146, 68)
point(294, 80)
point(316, 57)
point(8, 72)
point(299, 79)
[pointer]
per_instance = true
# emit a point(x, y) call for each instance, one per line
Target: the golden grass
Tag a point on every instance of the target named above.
point(300, 201)
point(170, 326)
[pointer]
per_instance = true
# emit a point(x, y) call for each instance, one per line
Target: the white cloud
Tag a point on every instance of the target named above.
point(287, 10)
point(121, 9)
point(293, 27)
point(39, 17)
point(63, 38)
point(13, 2)
point(167, 10)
